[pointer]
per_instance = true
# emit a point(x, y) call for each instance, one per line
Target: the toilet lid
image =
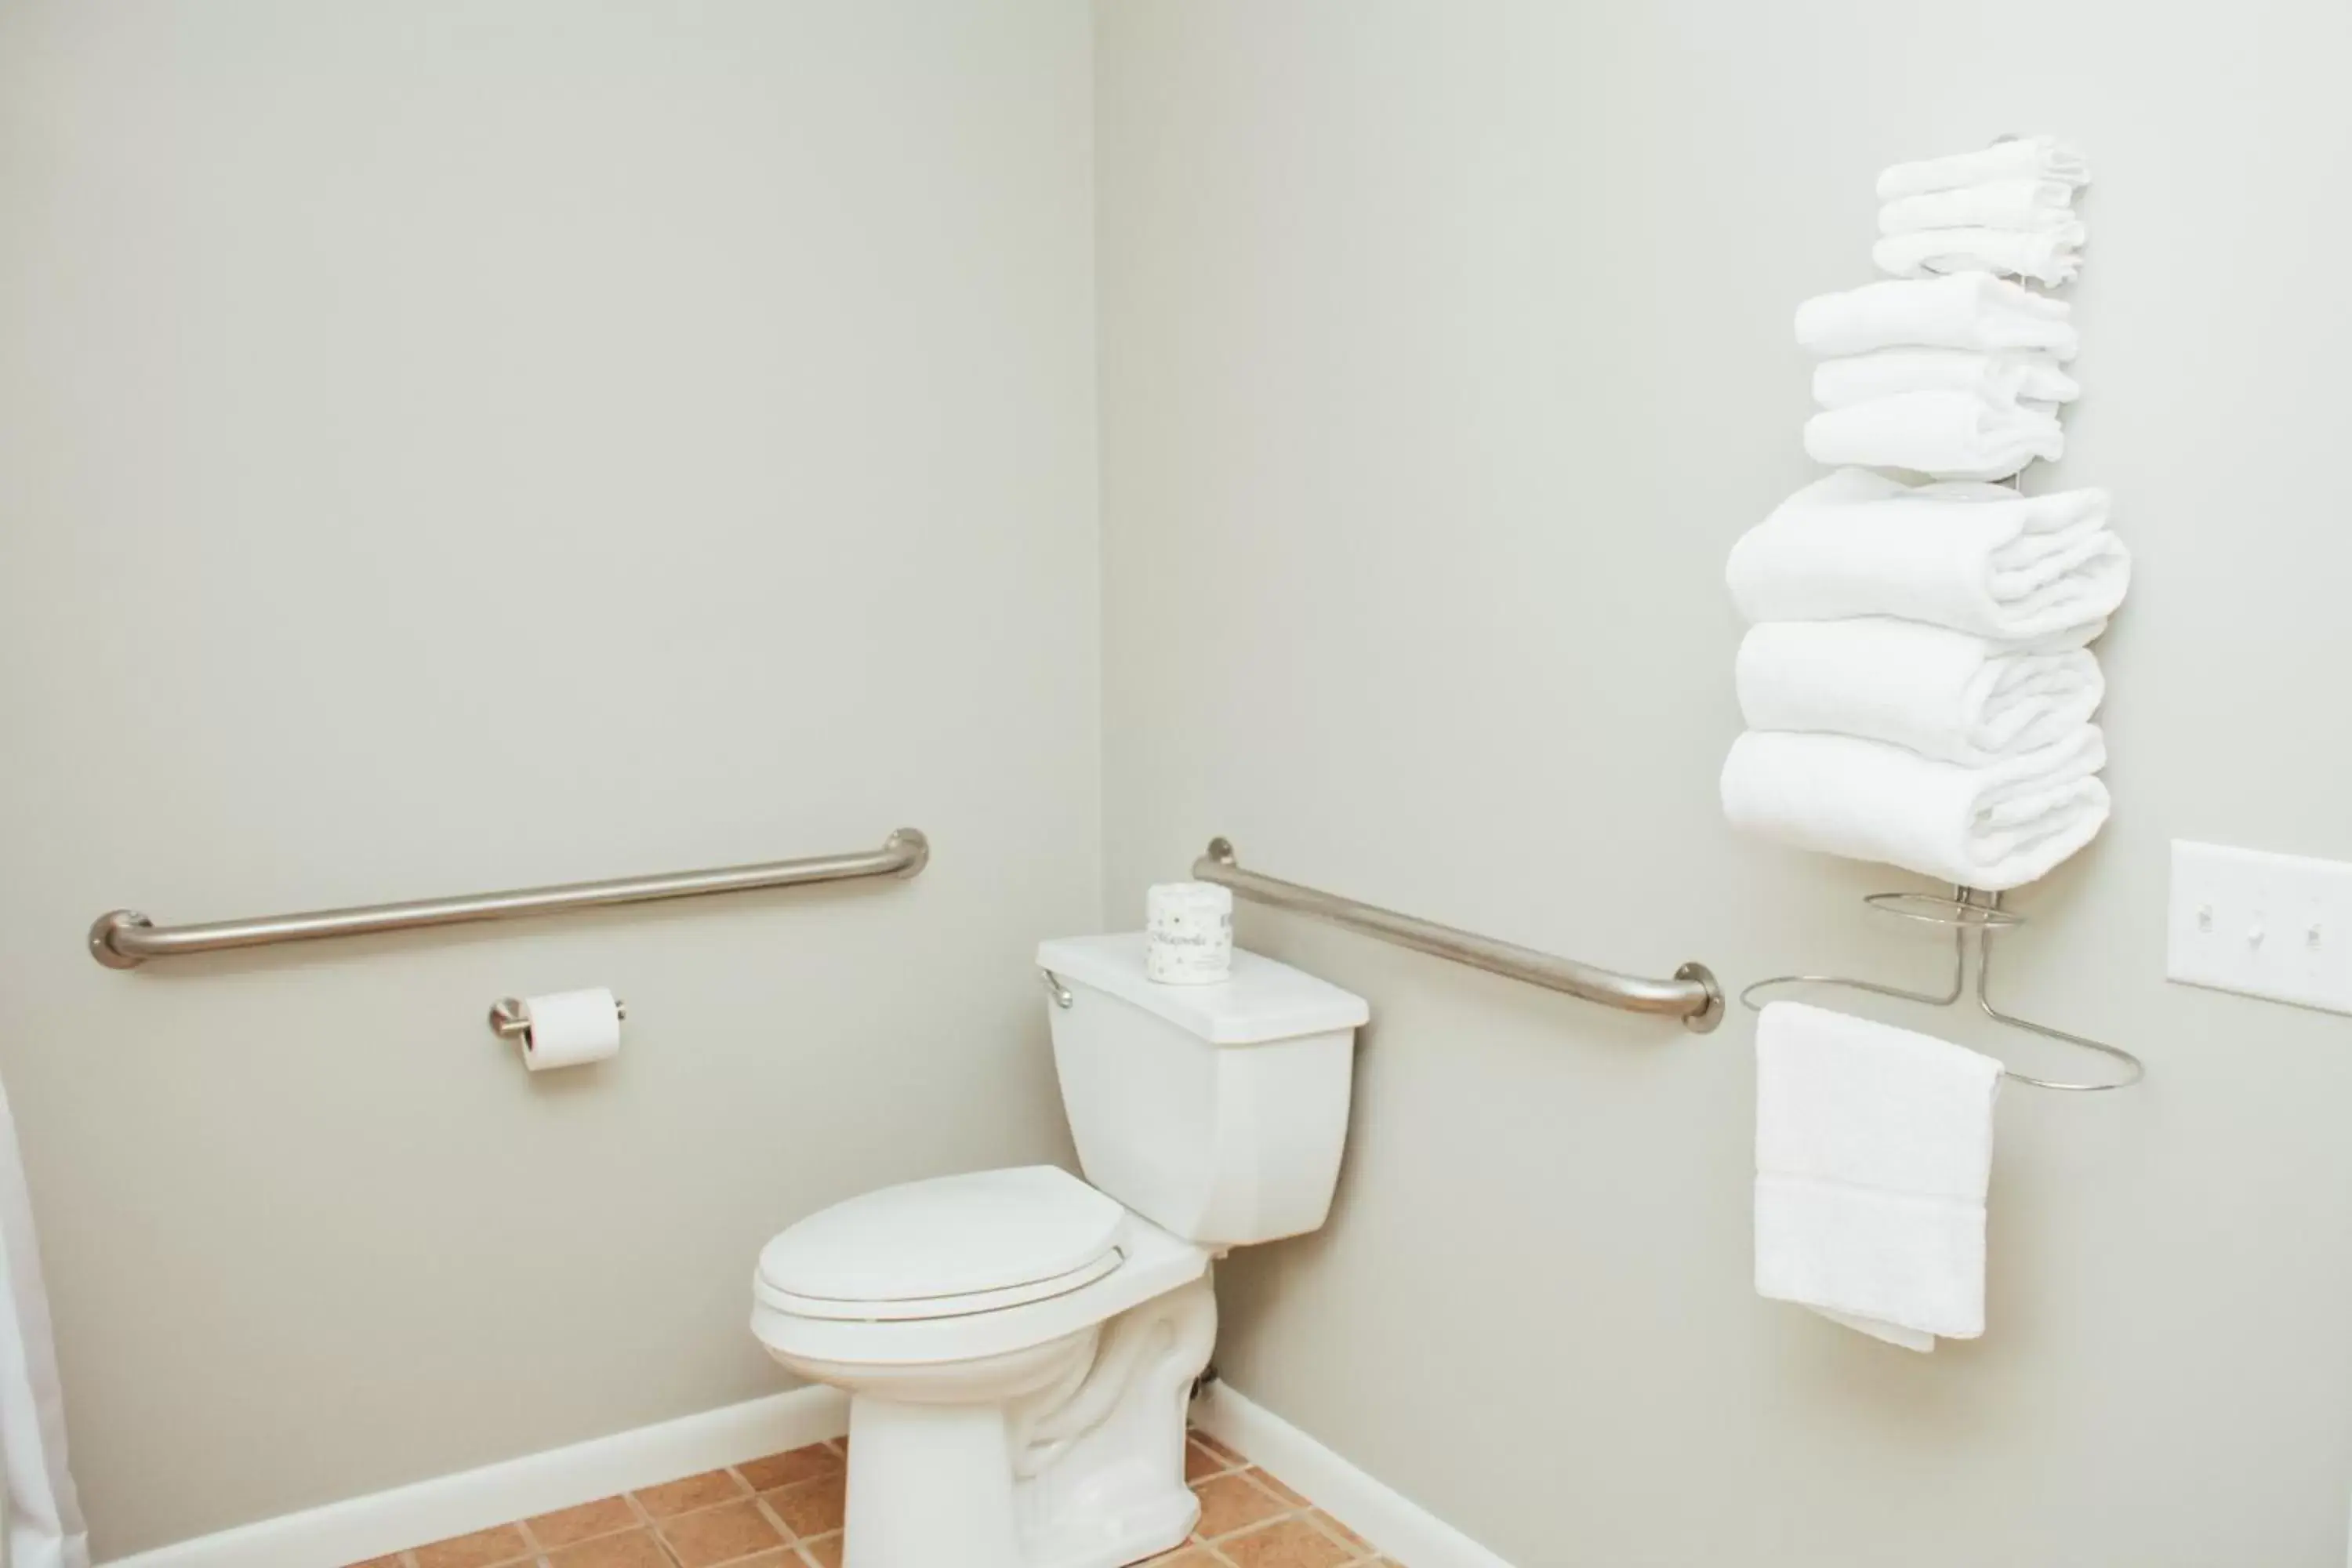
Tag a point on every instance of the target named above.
point(989, 1234)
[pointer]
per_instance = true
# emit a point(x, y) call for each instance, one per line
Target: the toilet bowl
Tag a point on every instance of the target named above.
point(1018, 1345)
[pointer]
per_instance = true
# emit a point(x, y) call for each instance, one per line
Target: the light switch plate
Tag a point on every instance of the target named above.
point(2276, 926)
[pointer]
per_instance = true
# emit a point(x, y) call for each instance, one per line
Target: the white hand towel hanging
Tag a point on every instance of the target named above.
point(1993, 827)
point(1951, 435)
point(1976, 558)
point(2022, 379)
point(1874, 1156)
point(1942, 693)
point(1966, 310)
point(2038, 158)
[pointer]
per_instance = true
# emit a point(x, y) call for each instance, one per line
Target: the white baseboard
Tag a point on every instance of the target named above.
point(383, 1523)
point(1400, 1527)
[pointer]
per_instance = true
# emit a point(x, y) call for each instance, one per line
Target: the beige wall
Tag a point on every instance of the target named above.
point(447, 447)
point(1445, 350)
point(353, 356)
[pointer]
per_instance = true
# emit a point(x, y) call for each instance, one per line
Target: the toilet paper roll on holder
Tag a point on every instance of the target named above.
point(509, 1022)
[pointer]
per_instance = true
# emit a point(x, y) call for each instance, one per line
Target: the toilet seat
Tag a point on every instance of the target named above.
point(951, 1247)
point(925, 1307)
point(1134, 1261)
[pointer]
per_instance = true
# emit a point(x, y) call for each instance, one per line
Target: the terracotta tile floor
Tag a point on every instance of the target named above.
point(785, 1511)
point(1249, 1520)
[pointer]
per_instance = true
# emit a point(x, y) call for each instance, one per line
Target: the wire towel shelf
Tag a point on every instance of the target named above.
point(1974, 916)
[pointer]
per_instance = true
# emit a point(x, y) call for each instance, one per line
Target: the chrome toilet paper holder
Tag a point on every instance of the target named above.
point(509, 1022)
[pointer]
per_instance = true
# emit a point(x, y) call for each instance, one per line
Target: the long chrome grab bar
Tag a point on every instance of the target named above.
point(1691, 996)
point(124, 938)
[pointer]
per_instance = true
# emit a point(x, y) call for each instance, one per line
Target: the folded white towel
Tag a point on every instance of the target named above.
point(1974, 557)
point(2041, 158)
point(2021, 378)
point(1995, 827)
point(1965, 310)
point(1951, 435)
point(2030, 206)
point(1874, 1155)
point(1944, 694)
point(2050, 258)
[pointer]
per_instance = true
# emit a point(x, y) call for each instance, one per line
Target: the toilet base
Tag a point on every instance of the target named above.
point(1082, 1469)
point(926, 1485)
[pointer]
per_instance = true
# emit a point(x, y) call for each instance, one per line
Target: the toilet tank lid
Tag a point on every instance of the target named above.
point(1262, 1001)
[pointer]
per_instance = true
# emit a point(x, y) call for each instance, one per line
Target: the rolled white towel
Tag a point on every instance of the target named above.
point(1994, 827)
point(1965, 310)
point(2048, 258)
point(1942, 693)
point(1951, 435)
point(2025, 158)
point(1974, 557)
point(2027, 206)
point(2020, 377)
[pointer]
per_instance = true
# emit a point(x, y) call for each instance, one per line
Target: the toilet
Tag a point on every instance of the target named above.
point(1019, 1345)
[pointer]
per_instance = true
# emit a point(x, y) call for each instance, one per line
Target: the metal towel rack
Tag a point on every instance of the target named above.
point(124, 938)
point(1692, 996)
point(1969, 912)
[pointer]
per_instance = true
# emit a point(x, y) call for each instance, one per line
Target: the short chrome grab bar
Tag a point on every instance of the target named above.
point(1692, 996)
point(124, 938)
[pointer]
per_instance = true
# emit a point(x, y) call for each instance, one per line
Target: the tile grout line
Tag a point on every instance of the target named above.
point(1304, 1513)
point(652, 1526)
point(788, 1540)
point(791, 1537)
point(759, 1507)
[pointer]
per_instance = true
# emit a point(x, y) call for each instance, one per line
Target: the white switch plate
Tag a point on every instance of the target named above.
point(2278, 926)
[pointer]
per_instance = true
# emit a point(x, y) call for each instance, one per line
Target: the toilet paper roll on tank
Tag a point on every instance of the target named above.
point(1189, 931)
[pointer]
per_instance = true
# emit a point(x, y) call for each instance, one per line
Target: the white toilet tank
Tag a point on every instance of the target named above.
point(1217, 1111)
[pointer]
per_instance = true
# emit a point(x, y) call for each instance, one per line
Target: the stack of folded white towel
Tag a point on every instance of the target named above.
point(1960, 376)
point(1954, 371)
point(1916, 682)
point(2008, 208)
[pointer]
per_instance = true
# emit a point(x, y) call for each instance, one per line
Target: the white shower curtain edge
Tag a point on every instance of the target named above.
point(44, 1526)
